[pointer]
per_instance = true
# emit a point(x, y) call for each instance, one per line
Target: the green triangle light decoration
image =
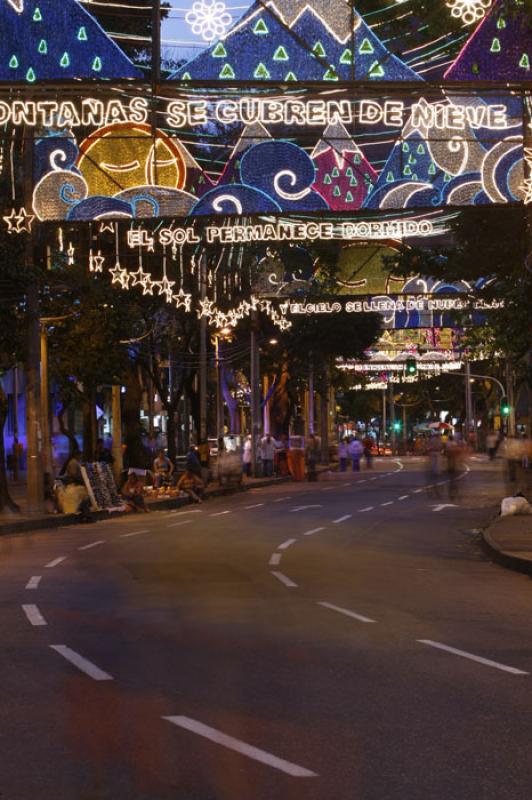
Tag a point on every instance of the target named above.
point(13, 62)
point(290, 76)
point(407, 171)
point(349, 172)
point(501, 23)
point(447, 178)
point(432, 169)
point(327, 180)
point(411, 159)
point(390, 178)
point(260, 29)
point(421, 150)
point(347, 57)
point(280, 54)
point(337, 192)
point(37, 16)
point(376, 70)
point(43, 47)
point(349, 197)
point(525, 61)
point(97, 64)
point(185, 76)
point(330, 75)
point(219, 51)
point(495, 46)
point(227, 71)
point(319, 50)
point(406, 147)
point(353, 181)
point(357, 159)
point(82, 34)
point(366, 47)
point(65, 60)
point(261, 72)
point(31, 77)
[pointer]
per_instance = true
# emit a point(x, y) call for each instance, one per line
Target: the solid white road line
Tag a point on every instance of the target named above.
point(34, 615)
point(182, 513)
point(365, 510)
point(287, 544)
point(313, 531)
point(285, 580)
point(81, 663)
point(133, 533)
point(347, 613)
point(220, 513)
point(34, 582)
point(256, 505)
point(303, 508)
point(91, 545)
point(342, 519)
point(241, 747)
point(389, 503)
point(55, 562)
point(275, 560)
point(181, 522)
point(486, 661)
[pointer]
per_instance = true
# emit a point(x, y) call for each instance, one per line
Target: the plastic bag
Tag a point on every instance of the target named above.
point(512, 506)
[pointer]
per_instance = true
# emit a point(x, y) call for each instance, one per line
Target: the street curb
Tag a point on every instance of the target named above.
point(502, 557)
point(62, 520)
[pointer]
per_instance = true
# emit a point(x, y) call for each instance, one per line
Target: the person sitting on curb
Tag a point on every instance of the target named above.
point(132, 494)
point(192, 485)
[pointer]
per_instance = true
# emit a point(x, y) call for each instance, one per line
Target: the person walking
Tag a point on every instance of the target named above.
point(356, 451)
point(492, 441)
point(247, 455)
point(343, 455)
point(204, 454)
point(367, 444)
point(192, 462)
point(267, 451)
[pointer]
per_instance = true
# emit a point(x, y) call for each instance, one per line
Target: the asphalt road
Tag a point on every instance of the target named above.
point(347, 639)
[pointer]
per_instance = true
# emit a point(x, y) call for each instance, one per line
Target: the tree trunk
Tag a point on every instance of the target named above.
point(171, 431)
point(72, 441)
point(136, 454)
point(5, 499)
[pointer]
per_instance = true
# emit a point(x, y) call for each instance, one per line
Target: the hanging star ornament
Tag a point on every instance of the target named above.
point(120, 276)
point(165, 288)
point(183, 300)
point(96, 262)
point(19, 223)
point(139, 278)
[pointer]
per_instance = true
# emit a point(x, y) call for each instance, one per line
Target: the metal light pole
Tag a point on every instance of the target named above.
point(392, 418)
point(118, 463)
point(468, 401)
point(45, 403)
point(203, 353)
point(255, 390)
point(384, 420)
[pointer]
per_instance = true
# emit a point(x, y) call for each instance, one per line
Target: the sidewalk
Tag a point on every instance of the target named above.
point(509, 542)
point(26, 521)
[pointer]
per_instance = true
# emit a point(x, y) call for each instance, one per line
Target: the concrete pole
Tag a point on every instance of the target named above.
point(510, 388)
point(255, 391)
point(219, 392)
point(45, 404)
point(203, 353)
point(392, 418)
point(384, 421)
point(116, 413)
point(311, 420)
point(405, 429)
point(469, 401)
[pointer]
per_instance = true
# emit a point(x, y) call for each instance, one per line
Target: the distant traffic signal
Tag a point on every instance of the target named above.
point(505, 407)
point(411, 366)
point(397, 426)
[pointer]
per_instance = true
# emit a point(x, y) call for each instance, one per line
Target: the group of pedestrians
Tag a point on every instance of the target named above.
point(353, 449)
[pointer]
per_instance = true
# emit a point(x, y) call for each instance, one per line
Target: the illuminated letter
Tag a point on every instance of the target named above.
point(370, 113)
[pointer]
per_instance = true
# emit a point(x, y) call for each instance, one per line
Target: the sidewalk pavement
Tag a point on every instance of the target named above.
point(26, 521)
point(509, 542)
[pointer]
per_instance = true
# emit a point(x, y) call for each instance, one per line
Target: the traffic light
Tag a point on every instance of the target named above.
point(505, 407)
point(397, 426)
point(411, 366)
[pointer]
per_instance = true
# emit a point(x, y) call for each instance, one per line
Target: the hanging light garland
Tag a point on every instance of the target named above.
point(469, 11)
point(230, 319)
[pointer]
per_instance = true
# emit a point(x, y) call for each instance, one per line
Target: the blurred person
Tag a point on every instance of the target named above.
point(247, 456)
point(267, 451)
point(192, 485)
point(163, 469)
point(132, 492)
point(343, 454)
point(192, 461)
point(453, 453)
point(356, 451)
point(367, 444)
point(102, 453)
point(204, 454)
point(312, 455)
point(492, 442)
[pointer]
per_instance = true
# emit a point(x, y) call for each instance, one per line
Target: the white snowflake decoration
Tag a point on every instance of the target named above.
point(469, 11)
point(208, 20)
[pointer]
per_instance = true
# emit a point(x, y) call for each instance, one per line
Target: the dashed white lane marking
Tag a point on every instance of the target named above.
point(389, 503)
point(91, 545)
point(303, 508)
point(443, 506)
point(362, 481)
point(220, 513)
point(347, 484)
point(286, 581)
point(313, 531)
point(373, 479)
point(328, 489)
point(256, 505)
point(55, 562)
point(404, 497)
point(365, 510)
point(346, 612)
point(418, 491)
point(287, 544)
point(241, 747)
point(34, 615)
point(34, 582)
point(342, 519)
point(81, 663)
point(486, 661)
point(275, 560)
point(282, 499)
point(133, 533)
point(182, 513)
point(178, 524)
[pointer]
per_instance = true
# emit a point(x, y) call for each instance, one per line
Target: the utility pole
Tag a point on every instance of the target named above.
point(116, 412)
point(469, 401)
point(203, 353)
point(405, 429)
point(255, 390)
point(45, 403)
point(311, 423)
point(384, 421)
point(510, 388)
point(219, 390)
point(392, 418)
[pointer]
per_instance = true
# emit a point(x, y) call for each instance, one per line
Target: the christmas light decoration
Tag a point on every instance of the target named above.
point(20, 222)
point(96, 262)
point(71, 252)
point(183, 300)
point(120, 276)
point(469, 11)
point(208, 19)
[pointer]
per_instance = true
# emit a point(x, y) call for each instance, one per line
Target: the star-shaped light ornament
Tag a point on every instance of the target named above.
point(528, 181)
point(206, 309)
point(120, 276)
point(96, 262)
point(19, 223)
point(140, 278)
point(165, 288)
point(71, 252)
point(183, 300)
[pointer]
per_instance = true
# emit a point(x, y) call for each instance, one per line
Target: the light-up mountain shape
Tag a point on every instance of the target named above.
point(344, 177)
point(500, 49)
point(293, 40)
point(56, 39)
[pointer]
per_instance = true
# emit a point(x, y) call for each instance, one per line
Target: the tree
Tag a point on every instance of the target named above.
point(130, 20)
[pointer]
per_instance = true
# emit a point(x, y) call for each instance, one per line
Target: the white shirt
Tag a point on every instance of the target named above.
point(267, 449)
